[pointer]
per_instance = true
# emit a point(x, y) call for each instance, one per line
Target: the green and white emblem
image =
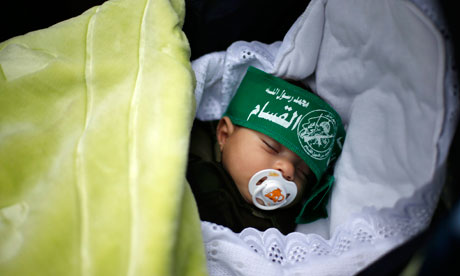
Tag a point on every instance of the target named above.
point(316, 133)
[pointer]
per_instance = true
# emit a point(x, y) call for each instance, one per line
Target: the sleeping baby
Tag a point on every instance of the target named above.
point(268, 161)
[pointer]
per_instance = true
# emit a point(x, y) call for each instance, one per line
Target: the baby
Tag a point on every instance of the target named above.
point(276, 144)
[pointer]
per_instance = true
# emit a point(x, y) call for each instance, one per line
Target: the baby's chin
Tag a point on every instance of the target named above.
point(247, 197)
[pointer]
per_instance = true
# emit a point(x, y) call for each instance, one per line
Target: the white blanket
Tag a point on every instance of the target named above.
point(381, 65)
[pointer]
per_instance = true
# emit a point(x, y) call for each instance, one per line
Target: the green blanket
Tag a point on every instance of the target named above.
point(95, 114)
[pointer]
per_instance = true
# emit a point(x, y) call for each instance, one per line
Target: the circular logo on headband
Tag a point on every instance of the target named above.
point(316, 132)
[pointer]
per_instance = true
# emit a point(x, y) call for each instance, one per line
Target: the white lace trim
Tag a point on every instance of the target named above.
point(365, 237)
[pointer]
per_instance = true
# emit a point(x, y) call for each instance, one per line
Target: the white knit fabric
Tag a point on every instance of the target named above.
point(386, 67)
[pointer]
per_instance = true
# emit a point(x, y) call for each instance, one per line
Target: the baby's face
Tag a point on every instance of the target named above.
point(246, 152)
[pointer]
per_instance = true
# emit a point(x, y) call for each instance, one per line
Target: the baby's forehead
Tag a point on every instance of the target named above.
point(266, 136)
point(258, 133)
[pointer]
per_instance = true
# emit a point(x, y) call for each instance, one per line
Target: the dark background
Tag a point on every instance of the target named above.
point(210, 25)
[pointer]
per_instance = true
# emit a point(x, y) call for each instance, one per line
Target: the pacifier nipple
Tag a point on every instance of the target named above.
point(269, 190)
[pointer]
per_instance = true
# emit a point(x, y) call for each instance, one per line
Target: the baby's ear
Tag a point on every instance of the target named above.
point(225, 129)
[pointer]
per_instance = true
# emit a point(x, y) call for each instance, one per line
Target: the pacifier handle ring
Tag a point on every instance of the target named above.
point(288, 187)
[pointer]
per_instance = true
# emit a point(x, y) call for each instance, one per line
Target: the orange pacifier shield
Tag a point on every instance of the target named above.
point(269, 190)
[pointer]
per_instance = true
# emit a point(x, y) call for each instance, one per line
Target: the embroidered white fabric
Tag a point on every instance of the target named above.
point(355, 244)
point(381, 198)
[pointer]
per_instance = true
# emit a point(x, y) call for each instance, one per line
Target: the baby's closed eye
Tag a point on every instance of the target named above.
point(270, 145)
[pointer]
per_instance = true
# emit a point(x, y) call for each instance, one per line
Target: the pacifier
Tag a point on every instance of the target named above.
point(270, 187)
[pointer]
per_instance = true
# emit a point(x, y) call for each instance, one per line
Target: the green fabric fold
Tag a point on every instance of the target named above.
point(95, 115)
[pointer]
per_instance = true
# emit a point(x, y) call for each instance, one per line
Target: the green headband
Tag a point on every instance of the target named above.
point(296, 118)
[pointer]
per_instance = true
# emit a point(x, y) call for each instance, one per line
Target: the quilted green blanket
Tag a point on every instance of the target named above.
point(95, 114)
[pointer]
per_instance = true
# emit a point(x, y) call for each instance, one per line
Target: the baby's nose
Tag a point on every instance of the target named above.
point(286, 167)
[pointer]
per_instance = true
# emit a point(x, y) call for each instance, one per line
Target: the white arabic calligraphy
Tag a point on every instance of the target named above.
point(274, 92)
point(273, 117)
point(282, 95)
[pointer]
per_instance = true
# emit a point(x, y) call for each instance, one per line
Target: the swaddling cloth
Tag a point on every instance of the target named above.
point(270, 191)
